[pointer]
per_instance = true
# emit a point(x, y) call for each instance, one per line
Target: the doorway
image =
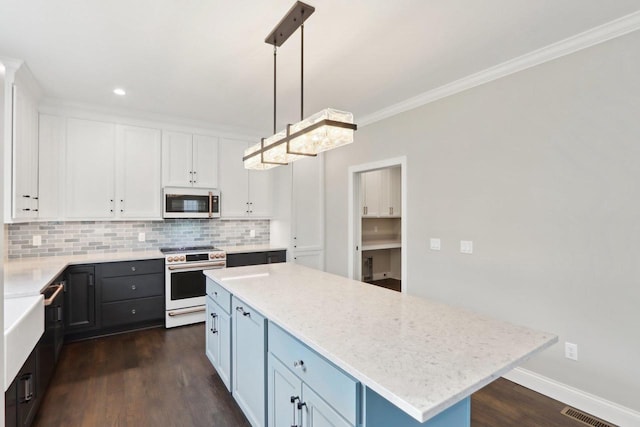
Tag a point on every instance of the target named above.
point(377, 223)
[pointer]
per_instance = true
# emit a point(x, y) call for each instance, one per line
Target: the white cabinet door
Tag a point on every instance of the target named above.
point(284, 392)
point(394, 192)
point(372, 194)
point(307, 204)
point(90, 169)
point(139, 193)
point(260, 193)
point(205, 161)
point(177, 154)
point(311, 259)
point(25, 154)
point(234, 179)
point(50, 170)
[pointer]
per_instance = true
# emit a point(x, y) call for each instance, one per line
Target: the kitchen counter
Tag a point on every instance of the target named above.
point(251, 248)
point(421, 355)
point(29, 276)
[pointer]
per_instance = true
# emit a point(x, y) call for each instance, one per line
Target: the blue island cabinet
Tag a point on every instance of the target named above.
point(218, 331)
point(248, 361)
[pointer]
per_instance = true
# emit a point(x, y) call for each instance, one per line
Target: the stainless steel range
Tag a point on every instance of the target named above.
point(185, 284)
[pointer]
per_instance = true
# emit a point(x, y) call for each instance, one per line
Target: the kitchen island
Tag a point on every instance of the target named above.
point(414, 360)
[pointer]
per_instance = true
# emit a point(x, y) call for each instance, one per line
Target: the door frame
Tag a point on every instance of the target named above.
point(354, 252)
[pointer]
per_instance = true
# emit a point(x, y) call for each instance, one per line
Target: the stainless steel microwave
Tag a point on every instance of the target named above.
point(185, 202)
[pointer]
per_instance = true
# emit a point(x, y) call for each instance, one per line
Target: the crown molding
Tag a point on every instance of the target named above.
point(56, 106)
point(596, 35)
point(11, 63)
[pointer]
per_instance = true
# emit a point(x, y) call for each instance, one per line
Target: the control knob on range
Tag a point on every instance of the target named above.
point(170, 259)
point(212, 256)
point(182, 258)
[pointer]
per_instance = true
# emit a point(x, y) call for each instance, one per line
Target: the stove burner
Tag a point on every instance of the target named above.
point(188, 249)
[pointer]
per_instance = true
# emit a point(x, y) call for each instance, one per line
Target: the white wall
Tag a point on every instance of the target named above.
point(541, 169)
point(2, 245)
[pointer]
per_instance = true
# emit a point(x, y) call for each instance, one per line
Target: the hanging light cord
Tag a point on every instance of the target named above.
point(302, 72)
point(275, 51)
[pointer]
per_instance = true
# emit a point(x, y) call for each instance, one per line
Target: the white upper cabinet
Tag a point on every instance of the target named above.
point(25, 153)
point(50, 174)
point(189, 160)
point(138, 173)
point(381, 193)
point(90, 169)
point(243, 193)
point(205, 161)
point(113, 171)
point(307, 204)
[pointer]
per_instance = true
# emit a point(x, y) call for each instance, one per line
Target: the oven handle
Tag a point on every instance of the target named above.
point(187, 311)
point(197, 267)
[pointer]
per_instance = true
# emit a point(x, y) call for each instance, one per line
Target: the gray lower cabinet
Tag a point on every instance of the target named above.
point(131, 293)
point(113, 297)
point(255, 258)
point(248, 354)
point(22, 398)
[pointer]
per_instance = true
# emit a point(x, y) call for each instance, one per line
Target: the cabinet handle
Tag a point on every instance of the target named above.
point(26, 209)
point(298, 364)
point(133, 269)
point(191, 174)
point(244, 313)
point(195, 176)
point(293, 400)
point(133, 287)
point(133, 311)
point(300, 406)
point(390, 211)
point(59, 313)
point(28, 387)
point(35, 210)
point(35, 197)
point(214, 327)
point(26, 196)
point(91, 280)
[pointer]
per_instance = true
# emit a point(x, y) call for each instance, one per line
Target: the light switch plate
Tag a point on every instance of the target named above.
point(141, 237)
point(466, 246)
point(252, 233)
point(434, 244)
point(37, 240)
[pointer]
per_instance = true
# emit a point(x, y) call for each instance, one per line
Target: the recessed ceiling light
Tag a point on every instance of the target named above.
point(119, 91)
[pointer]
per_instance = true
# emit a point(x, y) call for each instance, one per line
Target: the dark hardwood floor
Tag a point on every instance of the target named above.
point(161, 377)
point(393, 284)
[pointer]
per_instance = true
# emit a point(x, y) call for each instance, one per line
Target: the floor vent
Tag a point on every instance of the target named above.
point(584, 418)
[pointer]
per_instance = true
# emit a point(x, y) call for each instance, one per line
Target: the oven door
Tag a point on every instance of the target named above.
point(186, 285)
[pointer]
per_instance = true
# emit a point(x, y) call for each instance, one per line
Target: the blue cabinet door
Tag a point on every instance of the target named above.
point(212, 339)
point(284, 391)
point(218, 340)
point(317, 413)
point(249, 360)
point(224, 335)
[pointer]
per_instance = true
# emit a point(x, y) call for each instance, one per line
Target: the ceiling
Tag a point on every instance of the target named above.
point(206, 60)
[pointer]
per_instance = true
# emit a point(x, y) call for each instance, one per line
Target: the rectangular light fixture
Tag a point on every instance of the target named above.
point(321, 132)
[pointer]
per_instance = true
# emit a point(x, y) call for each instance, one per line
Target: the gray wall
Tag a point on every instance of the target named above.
point(541, 169)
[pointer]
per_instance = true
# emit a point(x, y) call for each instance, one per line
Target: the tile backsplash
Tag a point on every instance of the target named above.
point(84, 237)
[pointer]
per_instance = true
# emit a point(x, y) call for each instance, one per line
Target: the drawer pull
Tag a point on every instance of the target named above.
point(244, 313)
point(293, 403)
point(299, 364)
point(133, 311)
point(133, 287)
point(133, 269)
point(214, 328)
point(215, 293)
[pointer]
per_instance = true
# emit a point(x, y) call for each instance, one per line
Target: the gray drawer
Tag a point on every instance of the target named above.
point(128, 268)
point(339, 389)
point(128, 287)
point(219, 294)
point(132, 311)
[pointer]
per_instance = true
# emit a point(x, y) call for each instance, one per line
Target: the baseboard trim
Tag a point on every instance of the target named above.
point(594, 405)
point(600, 34)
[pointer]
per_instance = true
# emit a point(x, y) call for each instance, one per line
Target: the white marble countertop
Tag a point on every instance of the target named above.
point(29, 276)
point(421, 355)
point(251, 248)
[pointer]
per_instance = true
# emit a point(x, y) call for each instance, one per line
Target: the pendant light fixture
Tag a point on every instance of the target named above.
point(322, 131)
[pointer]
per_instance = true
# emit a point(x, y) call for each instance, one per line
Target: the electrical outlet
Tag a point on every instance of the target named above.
point(37, 240)
point(571, 351)
point(252, 233)
point(434, 244)
point(375, 228)
point(142, 237)
point(466, 246)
